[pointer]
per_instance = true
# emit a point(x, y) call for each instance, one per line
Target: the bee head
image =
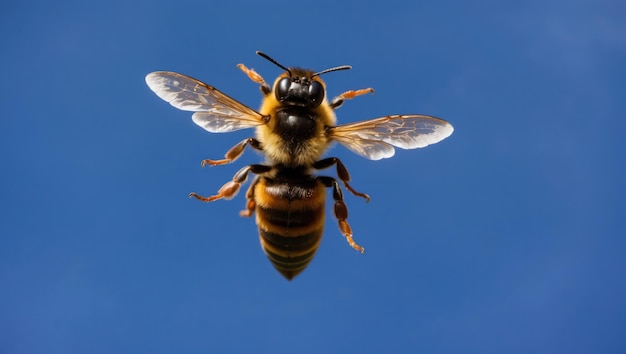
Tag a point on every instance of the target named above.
point(300, 87)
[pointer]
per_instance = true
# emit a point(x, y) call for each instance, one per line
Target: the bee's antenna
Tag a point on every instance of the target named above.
point(336, 68)
point(273, 61)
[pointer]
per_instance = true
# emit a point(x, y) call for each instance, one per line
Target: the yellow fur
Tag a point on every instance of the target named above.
point(274, 147)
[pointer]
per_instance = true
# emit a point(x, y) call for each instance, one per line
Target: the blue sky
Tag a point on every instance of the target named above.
point(508, 237)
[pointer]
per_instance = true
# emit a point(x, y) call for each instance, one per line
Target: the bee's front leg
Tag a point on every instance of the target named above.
point(254, 76)
point(337, 101)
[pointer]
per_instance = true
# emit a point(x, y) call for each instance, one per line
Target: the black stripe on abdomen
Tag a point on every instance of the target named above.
point(290, 255)
point(291, 219)
point(286, 245)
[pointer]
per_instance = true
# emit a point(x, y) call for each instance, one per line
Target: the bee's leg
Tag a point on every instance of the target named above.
point(341, 211)
point(234, 152)
point(337, 101)
point(230, 188)
point(342, 172)
point(250, 202)
point(254, 76)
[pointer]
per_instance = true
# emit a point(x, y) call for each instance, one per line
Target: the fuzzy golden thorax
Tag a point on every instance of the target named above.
point(296, 134)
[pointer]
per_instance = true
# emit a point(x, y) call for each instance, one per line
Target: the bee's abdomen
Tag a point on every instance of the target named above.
point(286, 252)
point(290, 217)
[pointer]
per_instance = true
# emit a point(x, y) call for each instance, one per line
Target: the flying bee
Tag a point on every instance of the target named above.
point(295, 125)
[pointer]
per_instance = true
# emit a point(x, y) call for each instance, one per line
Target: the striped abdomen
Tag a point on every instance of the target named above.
point(290, 217)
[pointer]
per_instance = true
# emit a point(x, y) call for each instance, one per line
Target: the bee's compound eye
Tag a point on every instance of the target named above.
point(316, 93)
point(282, 89)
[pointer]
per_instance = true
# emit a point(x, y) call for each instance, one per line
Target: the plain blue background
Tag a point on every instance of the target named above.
point(508, 237)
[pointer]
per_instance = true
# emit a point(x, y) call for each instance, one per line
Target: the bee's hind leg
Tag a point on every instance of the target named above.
point(342, 173)
point(250, 202)
point(341, 211)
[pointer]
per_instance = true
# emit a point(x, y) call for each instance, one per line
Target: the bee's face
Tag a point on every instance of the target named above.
point(299, 89)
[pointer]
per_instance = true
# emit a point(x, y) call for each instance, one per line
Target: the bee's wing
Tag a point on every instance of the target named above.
point(215, 111)
point(375, 139)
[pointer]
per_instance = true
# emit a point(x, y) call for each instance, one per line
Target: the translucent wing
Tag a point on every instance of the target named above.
point(375, 139)
point(215, 111)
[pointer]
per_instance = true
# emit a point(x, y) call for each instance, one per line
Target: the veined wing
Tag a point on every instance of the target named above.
point(215, 111)
point(375, 139)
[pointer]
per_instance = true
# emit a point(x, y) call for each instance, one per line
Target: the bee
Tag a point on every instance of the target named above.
point(295, 125)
